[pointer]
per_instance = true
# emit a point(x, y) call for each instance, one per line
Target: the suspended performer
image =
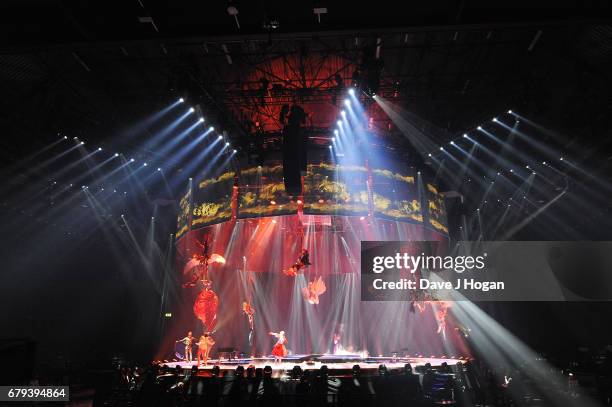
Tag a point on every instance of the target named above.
point(301, 262)
point(314, 289)
point(249, 311)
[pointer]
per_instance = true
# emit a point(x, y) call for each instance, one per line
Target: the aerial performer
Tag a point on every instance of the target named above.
point(249, 311)
point(301, 262)
point(205, 307)
point(207, 301)
point(188, 342)
point(279, 350)
point(198, 265)
point(441, 311)
point(314, 289)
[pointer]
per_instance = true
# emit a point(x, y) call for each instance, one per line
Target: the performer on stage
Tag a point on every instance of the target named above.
point(279, 351)
point(204, 345)
point(302, 261)
point(188, 341)
point(337, 347)
point(250, 313)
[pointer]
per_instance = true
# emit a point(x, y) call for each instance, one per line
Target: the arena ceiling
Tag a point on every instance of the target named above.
point(92, 69)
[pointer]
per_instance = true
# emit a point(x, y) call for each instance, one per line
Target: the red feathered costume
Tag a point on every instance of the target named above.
point(205, 308)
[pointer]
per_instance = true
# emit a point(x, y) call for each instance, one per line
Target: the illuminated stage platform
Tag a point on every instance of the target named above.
point(338, 365)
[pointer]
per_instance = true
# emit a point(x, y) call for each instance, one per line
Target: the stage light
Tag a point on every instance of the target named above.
point(234, 151)
point(343, 113)
point(181, 100)
point(211, 128)
point(273, 202)
point(479, 128)
point(190, 179)
point(158, 169)
point(452, 143)
point(333, 139)
point(527, 166)
point(99, 148)
point(464, 135)
point(339, 122)
point(220, 137)
point(329, 147)
point(227, 144)
point(494, 119)
point(362, 218)
point(509, 111)
point(429, 155)
point(132, 160)
point(418, 172)
point(477, 209)
point(116, 154)
point(543, 162)
point(144, 164)
point(351, 91)
point(273, 220)
point(299, 201)
point(336, 132)
point(65, 137)
point(560, 158)
point(75, 138)
point(441, 148)
point(201, 120)
point(534, 173)
point(82, 142)
point(347, 102)
point(511, 170)
point(373, 95)
point(191, 110)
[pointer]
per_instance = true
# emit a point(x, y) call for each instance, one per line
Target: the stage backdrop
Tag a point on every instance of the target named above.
point(267, 236)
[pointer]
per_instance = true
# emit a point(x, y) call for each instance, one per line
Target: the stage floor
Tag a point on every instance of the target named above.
point(337, 365)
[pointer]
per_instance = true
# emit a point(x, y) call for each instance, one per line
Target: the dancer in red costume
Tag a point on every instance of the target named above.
point(279, 351)
point(302, 261)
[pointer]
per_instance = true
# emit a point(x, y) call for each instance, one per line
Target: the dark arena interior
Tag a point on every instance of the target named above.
point(190, 189)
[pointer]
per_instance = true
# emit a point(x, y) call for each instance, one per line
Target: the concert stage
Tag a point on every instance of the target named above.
point(338, 365)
